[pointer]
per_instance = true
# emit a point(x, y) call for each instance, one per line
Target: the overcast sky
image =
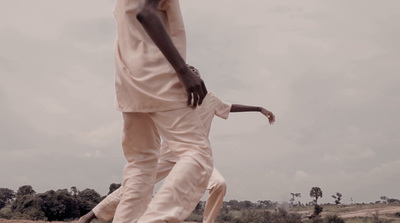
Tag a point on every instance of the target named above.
point(329, 70)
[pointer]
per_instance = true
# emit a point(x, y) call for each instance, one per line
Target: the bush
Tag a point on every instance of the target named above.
point(254, 216)
point(334, 219)
point(317, 209)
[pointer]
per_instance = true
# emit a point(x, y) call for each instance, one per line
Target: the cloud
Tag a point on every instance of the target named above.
point(328, 71)
point(102, 136)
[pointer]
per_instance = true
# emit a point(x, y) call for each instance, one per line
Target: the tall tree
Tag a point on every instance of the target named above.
point(6, 196)
point(315, 193)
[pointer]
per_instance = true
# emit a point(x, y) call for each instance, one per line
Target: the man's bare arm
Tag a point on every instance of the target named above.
point(247, 108)
point(148, 16)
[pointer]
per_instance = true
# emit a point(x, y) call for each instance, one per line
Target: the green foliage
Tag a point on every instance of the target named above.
point(266, 204)
point(6, 196)
point(52, 205)
point(333, 219)
point(317, 209)
point(29, 207)
point(258, 216)
point(87, 200)
point(376, 219)
point(315, 193)
point(113, 187)
point(25, 190)
point(59, 205)
point(293, 198)
point(337, 197)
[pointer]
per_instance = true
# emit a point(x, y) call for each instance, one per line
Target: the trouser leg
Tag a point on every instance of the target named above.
point(217, 190)
point(105, 210)
point(140, 143)
point(184, 134)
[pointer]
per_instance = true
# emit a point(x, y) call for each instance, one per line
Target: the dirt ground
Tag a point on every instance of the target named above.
point(370, 211)
point(355, 211)
point(346, 212)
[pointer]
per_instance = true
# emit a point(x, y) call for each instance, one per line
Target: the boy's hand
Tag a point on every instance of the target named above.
point(194, 70)
point(269, 115)
point(195, 87)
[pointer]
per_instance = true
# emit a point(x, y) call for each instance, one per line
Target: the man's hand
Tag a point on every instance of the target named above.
point(269, 115)
point(149, 18)
point(194, 70)
point(195, 87)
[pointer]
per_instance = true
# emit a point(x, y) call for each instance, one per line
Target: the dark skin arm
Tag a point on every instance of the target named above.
point(148, 16)
point(247, 108)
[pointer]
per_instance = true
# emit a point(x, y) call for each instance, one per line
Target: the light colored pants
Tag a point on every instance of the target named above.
point(183, 132)
point(217, 188)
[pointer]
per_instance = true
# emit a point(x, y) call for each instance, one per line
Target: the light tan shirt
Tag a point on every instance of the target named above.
point(212, 106)
point(144, 80)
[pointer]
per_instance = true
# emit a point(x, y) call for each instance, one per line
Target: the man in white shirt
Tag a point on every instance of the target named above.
point(212, 106)
point(155, 91)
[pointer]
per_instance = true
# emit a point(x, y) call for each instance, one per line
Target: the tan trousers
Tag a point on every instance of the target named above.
point(183, 132)
point(217, 188)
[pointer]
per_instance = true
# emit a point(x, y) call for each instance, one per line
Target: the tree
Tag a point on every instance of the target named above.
point(6, 196)
point(87, 199)
point(315, 193)
point(266, 204)
point(318, 209)
point(25, 190)
point(113, 187)
point(294, 196)
point(29, 206)
point(74, 191)
point(384, 199)
point(337, 198)
point(59, 205)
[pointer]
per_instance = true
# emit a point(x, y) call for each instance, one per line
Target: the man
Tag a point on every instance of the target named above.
point(211, 106)
point(154, 87)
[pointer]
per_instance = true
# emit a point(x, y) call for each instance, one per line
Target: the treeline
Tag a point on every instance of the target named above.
point(59, 205)
point(70, 204)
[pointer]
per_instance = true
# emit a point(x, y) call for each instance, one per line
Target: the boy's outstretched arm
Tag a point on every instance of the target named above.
point(247, 108)
point(147, 15)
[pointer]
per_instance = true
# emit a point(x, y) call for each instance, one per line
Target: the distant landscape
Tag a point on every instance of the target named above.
point(67, 205)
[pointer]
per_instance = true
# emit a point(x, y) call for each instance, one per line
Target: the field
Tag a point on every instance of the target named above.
point(357, 213)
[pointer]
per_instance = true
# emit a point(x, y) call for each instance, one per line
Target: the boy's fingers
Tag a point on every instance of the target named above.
point(202, 95)
point(203, 86)
point(195, 99)
point(189, 101)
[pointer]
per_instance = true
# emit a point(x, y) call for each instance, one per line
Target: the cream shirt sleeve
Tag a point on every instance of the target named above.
point(222, 109)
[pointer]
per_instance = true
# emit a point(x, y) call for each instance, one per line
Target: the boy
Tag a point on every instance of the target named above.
point(211, 106)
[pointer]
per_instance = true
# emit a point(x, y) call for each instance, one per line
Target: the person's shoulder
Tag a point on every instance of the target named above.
point(211, 95)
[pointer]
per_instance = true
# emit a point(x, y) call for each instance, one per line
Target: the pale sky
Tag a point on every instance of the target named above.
point(329, 70)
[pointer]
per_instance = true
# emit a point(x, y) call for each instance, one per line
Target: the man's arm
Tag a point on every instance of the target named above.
point(247, 108)
point(148, 16)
